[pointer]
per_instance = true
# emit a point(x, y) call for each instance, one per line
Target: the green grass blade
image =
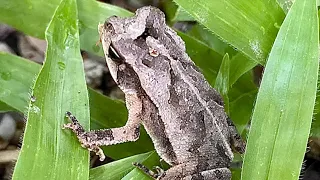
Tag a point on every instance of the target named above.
point(249, 26)
point(136, 174)
point(47, 150)
point(118, 169)
point(283, 112)
point(222, 81)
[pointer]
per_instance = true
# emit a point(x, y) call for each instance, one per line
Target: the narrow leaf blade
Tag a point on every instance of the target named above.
point(283, 113)
point(222, 81)
point(47, 150)
point(136, 174)
point(118, 169)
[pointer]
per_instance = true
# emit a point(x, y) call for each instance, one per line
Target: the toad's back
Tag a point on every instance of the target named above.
point(190, 113)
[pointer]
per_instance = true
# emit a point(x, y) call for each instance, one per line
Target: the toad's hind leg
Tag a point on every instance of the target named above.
point(196, 171)
point(213, 174)
point(235, 138)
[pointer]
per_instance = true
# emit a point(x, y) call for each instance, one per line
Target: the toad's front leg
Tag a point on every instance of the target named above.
point(104, 137)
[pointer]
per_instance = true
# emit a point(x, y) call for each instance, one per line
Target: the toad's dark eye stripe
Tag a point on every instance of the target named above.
point(114, 55)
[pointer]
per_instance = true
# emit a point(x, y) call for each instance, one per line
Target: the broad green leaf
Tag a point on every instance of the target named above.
point(104, 112)
point(33, 17)
point(118, 169)
point(249, 26)
point(283, 112)
point(47, 150)
point(222, 81)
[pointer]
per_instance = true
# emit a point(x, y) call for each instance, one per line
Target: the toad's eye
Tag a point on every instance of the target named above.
point(114, 55)
point(109, 26)
point(109, 29)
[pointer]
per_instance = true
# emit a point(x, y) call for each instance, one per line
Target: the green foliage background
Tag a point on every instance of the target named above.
point(232, 37)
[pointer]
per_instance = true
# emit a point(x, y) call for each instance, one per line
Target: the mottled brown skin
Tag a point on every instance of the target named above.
point(167, 93)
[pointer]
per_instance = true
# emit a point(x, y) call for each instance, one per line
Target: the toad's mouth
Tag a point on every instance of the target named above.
point(114, 55)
